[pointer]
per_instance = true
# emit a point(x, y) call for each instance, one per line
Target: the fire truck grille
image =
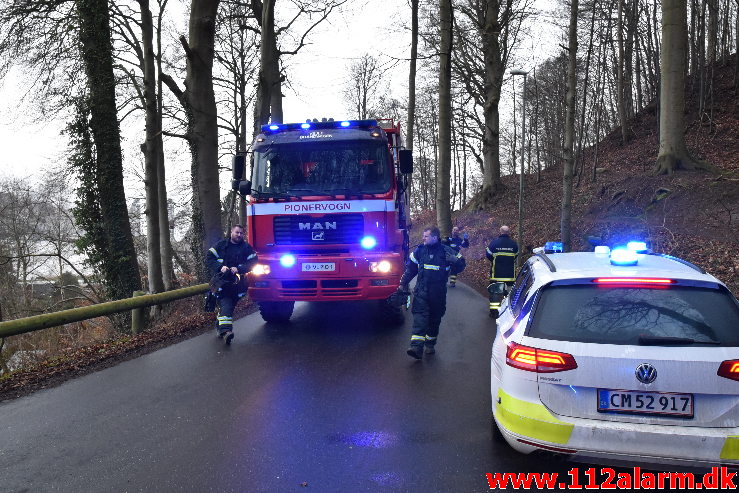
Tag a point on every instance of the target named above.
point(322, 230)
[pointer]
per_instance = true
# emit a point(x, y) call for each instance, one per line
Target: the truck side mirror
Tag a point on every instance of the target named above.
point(244, 187)
point(238, 165)
point(405, 161)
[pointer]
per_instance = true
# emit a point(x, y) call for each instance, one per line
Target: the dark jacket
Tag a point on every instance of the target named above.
point(432, 268)
point(456, 243)
point(224, 253)
point(502, 253)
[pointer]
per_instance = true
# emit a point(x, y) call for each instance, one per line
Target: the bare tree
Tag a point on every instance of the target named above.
point(412, 75)
point(443, 196)
point(269, 92)
point(364, 76)
point(569, 127)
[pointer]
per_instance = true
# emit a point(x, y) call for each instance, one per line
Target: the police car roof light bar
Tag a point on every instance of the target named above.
point(554, 247)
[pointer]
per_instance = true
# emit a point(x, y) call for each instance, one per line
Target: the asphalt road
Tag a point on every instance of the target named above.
point(328, 403)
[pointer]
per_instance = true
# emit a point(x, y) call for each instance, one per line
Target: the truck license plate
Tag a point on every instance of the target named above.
point(319, 266)
point(634, 402)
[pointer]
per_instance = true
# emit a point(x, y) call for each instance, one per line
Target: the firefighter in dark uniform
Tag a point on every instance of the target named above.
point(432, 262)
point(229, 261)
point(457, 245)
point(502, 253)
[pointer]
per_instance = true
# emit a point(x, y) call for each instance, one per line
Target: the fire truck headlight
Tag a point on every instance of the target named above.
point(368, 242)
point(260, 270)
point(382, 266)
point(287, 260)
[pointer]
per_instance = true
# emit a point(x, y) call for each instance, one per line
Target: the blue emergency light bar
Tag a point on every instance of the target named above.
point(554, 247)
point(282, 127)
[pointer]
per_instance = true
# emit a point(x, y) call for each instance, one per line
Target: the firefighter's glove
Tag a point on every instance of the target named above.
point(451, 258)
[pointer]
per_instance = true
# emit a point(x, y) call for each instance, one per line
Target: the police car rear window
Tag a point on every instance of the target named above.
point(637, 316)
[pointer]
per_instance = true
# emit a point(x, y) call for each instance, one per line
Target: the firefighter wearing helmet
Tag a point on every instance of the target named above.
point(432, 262)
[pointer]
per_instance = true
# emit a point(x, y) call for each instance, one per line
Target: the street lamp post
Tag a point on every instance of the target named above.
point(515, 72)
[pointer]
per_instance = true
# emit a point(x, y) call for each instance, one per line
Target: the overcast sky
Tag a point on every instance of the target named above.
point(317, 75)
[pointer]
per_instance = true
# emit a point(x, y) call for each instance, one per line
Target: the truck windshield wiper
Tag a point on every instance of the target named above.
point(647, 340)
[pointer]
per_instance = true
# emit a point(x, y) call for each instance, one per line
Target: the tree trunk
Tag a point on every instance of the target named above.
point(443, 206)
point(493, 82)
point(712, 30)
point(569, 129)
point(151, 154)
point(673, 153)
point(204, 129)
point(120, 266)
point(412, 75)
point(269, 92)
point(165, 241)
point(620, 90)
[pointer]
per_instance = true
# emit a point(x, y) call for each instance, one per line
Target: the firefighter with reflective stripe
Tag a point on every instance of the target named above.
point(432, 262)
point(229, 261)
point(502, 253)
point(457, 244)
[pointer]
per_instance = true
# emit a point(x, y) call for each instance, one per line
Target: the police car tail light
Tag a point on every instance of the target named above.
point(538, 360)
point(634, 281)
point(729, 369)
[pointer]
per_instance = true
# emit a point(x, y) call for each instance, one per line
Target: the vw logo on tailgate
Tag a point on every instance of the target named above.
point(646, 373)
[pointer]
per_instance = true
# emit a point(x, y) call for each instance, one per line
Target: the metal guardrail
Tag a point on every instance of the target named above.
point(38, 322)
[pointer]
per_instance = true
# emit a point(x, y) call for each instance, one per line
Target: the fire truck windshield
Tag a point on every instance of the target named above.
point(323, 168)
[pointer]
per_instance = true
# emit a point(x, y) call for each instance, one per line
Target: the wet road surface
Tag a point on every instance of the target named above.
point(327, 403)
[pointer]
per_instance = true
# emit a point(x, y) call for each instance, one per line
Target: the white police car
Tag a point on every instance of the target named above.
point(618, 356)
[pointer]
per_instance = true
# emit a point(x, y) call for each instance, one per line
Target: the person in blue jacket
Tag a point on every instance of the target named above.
point(457, 245)
point(228, 262)
point(432, 262)
point(502, 253)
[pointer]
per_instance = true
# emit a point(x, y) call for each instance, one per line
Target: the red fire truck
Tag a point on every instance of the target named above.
point(327, 212)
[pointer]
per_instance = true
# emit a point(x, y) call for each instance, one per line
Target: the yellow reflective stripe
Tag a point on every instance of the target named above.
point(459, 255)
point(413, 258)
point(488, 250)
point(430, 338)
point(418, 338)
point(731, 448)
point(494, 305)
point(504, 254)
point(431, 267)
point(531, 420)
point(219, 260)
point(213, 250)
point(503, 279)
point(251, 256)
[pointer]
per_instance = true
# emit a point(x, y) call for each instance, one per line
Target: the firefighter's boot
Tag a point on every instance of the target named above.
point(415, 351)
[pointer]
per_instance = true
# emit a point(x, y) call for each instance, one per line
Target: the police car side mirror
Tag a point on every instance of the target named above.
point(238, 165)
point(405, 161)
